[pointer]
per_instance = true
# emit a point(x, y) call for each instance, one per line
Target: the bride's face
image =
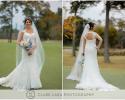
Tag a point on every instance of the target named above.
point(28, 23)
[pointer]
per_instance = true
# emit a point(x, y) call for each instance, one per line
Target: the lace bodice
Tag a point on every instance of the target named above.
point(29, 36)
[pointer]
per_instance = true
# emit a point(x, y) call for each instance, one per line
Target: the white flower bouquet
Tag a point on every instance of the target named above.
point(27, 45)
point(82, 60)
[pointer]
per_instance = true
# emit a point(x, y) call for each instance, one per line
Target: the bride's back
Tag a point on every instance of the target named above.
point(90, 39)
point(90, 36)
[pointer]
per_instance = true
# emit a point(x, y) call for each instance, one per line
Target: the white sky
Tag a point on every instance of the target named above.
point(18, 17)
point(94, 12)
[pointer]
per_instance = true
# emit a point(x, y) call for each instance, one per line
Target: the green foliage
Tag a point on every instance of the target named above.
point(117, 5)
point(46, 21)
point(112, 33)
point(121, 24)
point(76, 5)
point(100, 29)
point(50, 25)
point(68, 28)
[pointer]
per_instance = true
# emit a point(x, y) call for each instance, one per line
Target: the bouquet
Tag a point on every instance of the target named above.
point(27, 45)
point(82, 60)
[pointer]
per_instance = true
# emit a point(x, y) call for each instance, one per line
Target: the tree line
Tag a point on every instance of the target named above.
point(109, 5)
point(46, 21)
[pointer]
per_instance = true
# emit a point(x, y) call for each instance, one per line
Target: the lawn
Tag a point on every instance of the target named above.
point(51, 75)
point(113, 73)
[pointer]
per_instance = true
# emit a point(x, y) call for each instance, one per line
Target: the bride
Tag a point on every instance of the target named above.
point(29, 60)
point(86, 69)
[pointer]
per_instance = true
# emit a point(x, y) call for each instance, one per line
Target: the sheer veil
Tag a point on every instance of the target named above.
point(77, 68)
point(40, 57)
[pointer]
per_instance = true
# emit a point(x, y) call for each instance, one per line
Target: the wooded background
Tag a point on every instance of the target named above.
point(48, 23)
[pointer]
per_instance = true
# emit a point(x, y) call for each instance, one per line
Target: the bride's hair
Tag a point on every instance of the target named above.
point(91, 24)
point(28, 18)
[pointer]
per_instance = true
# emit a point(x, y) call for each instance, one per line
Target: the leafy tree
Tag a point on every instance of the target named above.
point(112, 33)
point(110, 5)
point(6, 10)
point(121, 35)
point(68, 29)
point(75, 6)
point(121, 24)
point(50, 23)
point(30, 8)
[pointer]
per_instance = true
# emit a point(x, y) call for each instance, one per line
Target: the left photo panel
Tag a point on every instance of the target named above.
point(31, 45)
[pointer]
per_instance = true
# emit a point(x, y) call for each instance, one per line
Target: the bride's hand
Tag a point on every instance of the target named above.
point(97, 47)
point(83, 53)
point(30, 51)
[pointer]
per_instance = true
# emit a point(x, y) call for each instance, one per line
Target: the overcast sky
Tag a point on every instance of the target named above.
point(18, 17)
point(93, 12)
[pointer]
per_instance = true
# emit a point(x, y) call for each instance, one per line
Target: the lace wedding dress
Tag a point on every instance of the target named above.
point(91, 77)
point(26, 74)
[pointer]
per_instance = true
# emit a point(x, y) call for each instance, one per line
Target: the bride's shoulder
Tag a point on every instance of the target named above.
point(95, 33)
point(21, 32)
point(92, 32)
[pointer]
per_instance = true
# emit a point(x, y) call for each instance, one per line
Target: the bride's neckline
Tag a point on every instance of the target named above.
point(28, 32)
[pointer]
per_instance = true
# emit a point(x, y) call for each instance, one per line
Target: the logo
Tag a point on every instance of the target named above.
point(30, 94)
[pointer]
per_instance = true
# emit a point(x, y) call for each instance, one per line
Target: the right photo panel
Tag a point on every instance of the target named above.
point(94, 45)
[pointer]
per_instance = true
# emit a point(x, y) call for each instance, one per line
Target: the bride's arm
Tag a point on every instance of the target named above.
point(19, 38)
point(100, 41)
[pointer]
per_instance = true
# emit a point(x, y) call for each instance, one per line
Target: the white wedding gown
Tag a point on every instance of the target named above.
point(91, 78)
point(25, 76)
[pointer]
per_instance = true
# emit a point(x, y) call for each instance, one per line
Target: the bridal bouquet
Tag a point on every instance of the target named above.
point(27, 45)
point(82, 60)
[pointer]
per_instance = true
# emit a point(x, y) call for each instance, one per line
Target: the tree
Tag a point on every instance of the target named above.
point(110, 5)
point(68, 28)
point(112, 33)
point(6, 10)
point(33, 9)
point(49, 25)
point(75, 6)
point(121, 35)
point(121, 24)
point(106, 37)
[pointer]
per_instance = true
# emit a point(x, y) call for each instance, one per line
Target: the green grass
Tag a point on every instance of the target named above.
point(51, 75)
point(113, 73)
